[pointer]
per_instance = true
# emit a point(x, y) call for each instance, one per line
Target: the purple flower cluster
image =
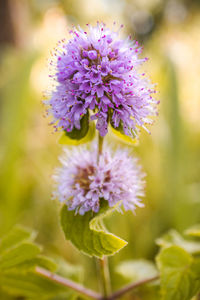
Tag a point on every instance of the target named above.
point(98, 71)
point(82, 182)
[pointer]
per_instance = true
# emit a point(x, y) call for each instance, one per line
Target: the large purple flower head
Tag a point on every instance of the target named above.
point(97, 71)
point(82, 182)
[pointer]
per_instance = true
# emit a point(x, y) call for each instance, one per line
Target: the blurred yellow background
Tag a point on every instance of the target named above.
point(169, 30)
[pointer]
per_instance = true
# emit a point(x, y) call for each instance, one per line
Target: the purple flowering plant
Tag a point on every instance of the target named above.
point(98, 80)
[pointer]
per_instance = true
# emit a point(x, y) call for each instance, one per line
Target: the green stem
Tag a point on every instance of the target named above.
point(100, 146)
point(104, 277)
point(103, 268)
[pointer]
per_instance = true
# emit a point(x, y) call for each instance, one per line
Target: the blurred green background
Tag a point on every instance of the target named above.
point(170, 33)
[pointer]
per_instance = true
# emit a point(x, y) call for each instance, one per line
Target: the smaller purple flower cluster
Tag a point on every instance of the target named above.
point(98, 71)
point(82, 182)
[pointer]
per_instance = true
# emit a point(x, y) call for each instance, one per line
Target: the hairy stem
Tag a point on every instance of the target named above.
point(102, 264)
point(100, 146)
point(127, 288)
point(104, 277)
point(69, 283)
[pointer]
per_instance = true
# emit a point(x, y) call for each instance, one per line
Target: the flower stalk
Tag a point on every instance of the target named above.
point(103, 266)
point(104, 275)
point(100, 146)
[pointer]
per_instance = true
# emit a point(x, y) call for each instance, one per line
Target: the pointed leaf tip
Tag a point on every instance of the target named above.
point(88, 233)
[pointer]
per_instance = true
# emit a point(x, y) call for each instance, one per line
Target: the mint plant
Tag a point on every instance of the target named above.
point(98, 86)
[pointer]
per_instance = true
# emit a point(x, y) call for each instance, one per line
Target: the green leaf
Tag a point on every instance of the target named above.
point(39, 260)
point(19, 254)
point(77, 135)
point(174, 238)
point(66, 140)
point(17, 235)
point(194, 231)
point(180, 274)
point(88, 233)
point(138, 269)
point(18, 259)
point(44, 262)
point(31, 285)
point(119, 128)
point(15, 252)
point(124, 138)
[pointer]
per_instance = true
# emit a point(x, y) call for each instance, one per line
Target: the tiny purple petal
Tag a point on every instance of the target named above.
point(92, 54)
